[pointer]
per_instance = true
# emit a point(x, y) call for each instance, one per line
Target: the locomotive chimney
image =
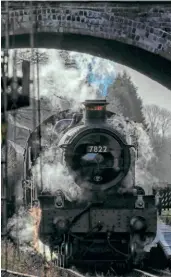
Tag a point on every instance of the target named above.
point(95, 111)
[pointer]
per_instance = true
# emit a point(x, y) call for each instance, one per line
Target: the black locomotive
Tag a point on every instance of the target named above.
point(108, 227)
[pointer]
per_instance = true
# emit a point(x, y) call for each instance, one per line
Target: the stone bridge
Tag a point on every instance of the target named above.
point(137, 35)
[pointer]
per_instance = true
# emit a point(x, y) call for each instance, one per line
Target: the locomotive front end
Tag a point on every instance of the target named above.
point(94, 151)
point(110, 227)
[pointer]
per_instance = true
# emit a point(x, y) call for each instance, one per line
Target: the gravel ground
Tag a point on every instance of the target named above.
point(25, 261)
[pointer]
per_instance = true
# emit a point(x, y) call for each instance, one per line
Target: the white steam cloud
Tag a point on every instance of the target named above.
point(68, 83)
point(55, 176)
point(134, 133)
point(100, 67)
point(21, 228)
point(55, 80)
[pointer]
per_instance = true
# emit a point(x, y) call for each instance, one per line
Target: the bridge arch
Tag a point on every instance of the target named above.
point(138, 36)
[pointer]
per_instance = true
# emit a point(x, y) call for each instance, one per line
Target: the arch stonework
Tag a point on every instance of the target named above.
point(142, 31)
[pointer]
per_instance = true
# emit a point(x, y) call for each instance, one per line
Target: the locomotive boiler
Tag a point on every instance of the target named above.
point(108, 226)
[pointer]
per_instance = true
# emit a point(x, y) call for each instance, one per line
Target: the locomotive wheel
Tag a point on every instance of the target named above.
point(63, 261)
point(136, 259)
point(65, 254)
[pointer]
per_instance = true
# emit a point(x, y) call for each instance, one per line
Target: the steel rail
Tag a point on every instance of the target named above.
point(150, 274)
point(135, 272)
point(72, 273)
point(161, 272)
point(69, 273)
point(63, 272)
point(9, 273)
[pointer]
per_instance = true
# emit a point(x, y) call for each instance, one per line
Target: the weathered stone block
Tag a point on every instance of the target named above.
point(145, 26)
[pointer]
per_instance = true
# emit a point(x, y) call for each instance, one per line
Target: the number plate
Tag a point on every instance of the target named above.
point(97, 149)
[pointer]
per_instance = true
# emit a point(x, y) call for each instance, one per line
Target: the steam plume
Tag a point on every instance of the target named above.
point(68, 83)
point(135, 133)
point(56, 176)
point(99, 73)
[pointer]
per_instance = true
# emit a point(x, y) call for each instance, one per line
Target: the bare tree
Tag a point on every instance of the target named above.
point(158, 120)
point(33, 55)
point(159, 128)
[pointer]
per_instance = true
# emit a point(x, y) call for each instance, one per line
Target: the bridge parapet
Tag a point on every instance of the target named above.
point(146, 26)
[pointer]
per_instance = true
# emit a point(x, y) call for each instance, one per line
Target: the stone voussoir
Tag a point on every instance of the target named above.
point(146, 26)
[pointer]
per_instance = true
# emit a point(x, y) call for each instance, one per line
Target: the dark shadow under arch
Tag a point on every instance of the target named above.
point(149, 64)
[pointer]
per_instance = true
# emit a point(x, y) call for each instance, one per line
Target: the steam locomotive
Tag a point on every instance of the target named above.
point(107, 227)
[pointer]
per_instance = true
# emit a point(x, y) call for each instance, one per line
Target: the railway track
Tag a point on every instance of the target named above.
point(134, 273)
point(9, 273)
point(151, 273)
point(73, 273)
point(61, 272)
point(69, 273)
point(162, 272)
